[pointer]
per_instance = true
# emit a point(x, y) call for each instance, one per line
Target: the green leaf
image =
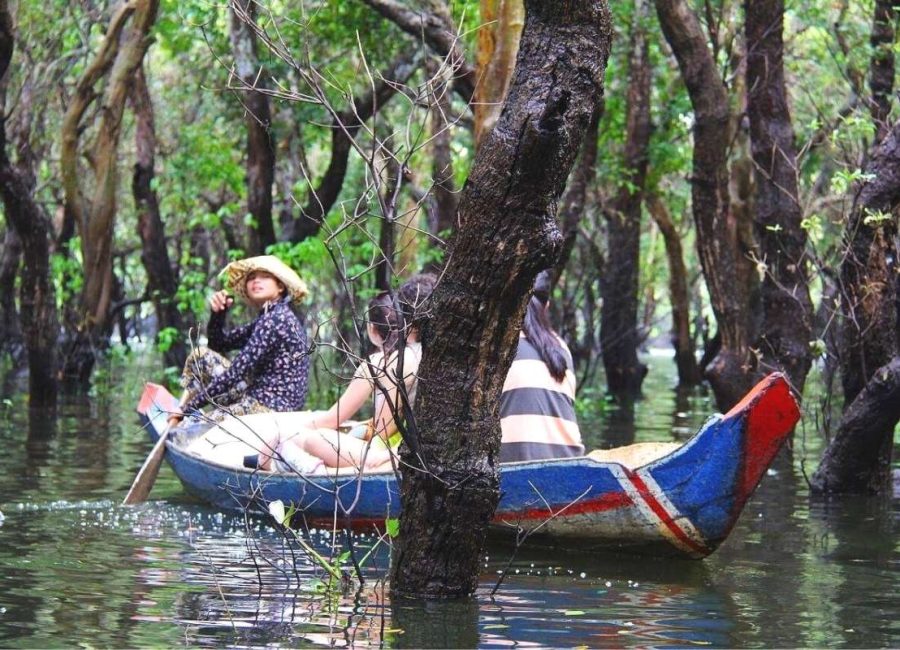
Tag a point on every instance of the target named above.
point(392, 527)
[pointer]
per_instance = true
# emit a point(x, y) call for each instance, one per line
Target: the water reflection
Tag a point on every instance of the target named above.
point(76, 568)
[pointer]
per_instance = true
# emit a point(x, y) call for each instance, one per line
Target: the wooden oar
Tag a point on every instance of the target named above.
point(146, 476)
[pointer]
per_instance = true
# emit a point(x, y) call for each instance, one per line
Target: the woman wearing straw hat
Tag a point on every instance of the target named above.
point(270, 371)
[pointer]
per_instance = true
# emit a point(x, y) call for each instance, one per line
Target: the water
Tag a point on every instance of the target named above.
point(78, 569)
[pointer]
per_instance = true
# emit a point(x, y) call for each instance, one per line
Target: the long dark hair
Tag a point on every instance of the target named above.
point(539, 332)
point(384, 318)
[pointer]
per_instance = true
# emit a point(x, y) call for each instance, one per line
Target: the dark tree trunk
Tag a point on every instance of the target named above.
point(685, 351)
point(881, 67)
point(387, 237)
point(787, 309)
point(619, 337)
point(345, 125)
point(507, 234)
point(161, 281)
point(573, 203)
point(258, 118)
point(435, 28)
point(858, 459)
point(868, 271)
point(10, 328)
point(93, 206)
point(37, 299)
point(717, 232)
point(444, 189)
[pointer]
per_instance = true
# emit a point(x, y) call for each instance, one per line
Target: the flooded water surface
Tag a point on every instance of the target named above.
point(76, 568)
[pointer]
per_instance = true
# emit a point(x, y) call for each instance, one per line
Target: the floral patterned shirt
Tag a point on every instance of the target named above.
point(273, 360)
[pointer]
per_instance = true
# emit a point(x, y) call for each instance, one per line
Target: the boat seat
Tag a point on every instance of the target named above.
point(634, 456)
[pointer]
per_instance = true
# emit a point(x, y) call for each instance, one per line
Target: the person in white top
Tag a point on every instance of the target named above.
point(367, 447)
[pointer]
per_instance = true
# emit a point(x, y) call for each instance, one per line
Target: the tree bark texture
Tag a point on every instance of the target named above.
point(258, 118)
point(858, 459)
point(574, 200)
point(10, 328)
point(93, 209)
point(786, 332)
point(619, 337)
point(869, 271)
point(495, 58)
point(161, 281)
point(717, 230)
point(507, 234)
point(434, 26)
point(37, 300)
point(445, 196)
point(387, 235)
point(685, 352)
point(345, 125)
point(881, 67)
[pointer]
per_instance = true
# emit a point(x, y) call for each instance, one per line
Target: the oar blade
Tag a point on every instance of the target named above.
point(156, 404)
point(146, 476)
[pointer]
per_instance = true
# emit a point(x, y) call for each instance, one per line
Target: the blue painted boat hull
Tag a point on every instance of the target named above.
point(684, 503)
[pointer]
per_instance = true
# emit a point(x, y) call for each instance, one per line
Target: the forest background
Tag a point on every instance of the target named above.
point(734, 193)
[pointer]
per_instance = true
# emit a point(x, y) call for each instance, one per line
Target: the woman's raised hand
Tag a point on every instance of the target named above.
point(220, 301)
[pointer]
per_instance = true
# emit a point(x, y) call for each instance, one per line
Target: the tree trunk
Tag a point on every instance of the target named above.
point(498, 44)
point(345, 125)
point(161, 281)
point(858, 459)
point(444, 189)
point(685, 351)
point(717, 232)
point(433, 25)
point(786, 330)
point(881, 67)
point(619, 338)
point(37, 299)
point(93, 210)
point(387, 236)
point(258, 118)
point(10, 328)
point(573, 203)
point(507, 234)
point(868, 271)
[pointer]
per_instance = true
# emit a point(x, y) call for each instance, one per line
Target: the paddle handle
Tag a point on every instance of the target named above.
point(146, 476)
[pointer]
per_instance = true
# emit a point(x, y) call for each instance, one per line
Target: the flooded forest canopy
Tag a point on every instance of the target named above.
point(732, 193)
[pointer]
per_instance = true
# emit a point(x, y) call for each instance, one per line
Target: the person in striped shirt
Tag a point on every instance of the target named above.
point(537, 405)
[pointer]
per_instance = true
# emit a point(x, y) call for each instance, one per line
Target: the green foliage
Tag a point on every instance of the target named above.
point(392, 527)
point(876, 217)
point(166, 338)
point(844, 180)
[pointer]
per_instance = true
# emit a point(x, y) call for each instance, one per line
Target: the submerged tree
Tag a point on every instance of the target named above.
point(507, 234)
point(92, 206)
point(31, 224)
point(859, 458)
point(619, 336)
point(718, 240)
point(786, 331)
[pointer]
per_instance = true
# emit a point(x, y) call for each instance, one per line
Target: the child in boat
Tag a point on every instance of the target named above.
point(314, 441)
point(537, 412)
point(271, 369)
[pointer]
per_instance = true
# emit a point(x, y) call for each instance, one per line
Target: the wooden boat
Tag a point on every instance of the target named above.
point(683, 503)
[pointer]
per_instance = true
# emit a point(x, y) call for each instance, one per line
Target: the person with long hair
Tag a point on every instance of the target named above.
point(310, 442)
point(537, 405)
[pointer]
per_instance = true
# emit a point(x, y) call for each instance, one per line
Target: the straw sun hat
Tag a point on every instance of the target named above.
point(236, 273)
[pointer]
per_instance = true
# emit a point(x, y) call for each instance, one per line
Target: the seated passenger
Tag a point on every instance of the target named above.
point(537, 405)
point(271, 369)
point(369, 447)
